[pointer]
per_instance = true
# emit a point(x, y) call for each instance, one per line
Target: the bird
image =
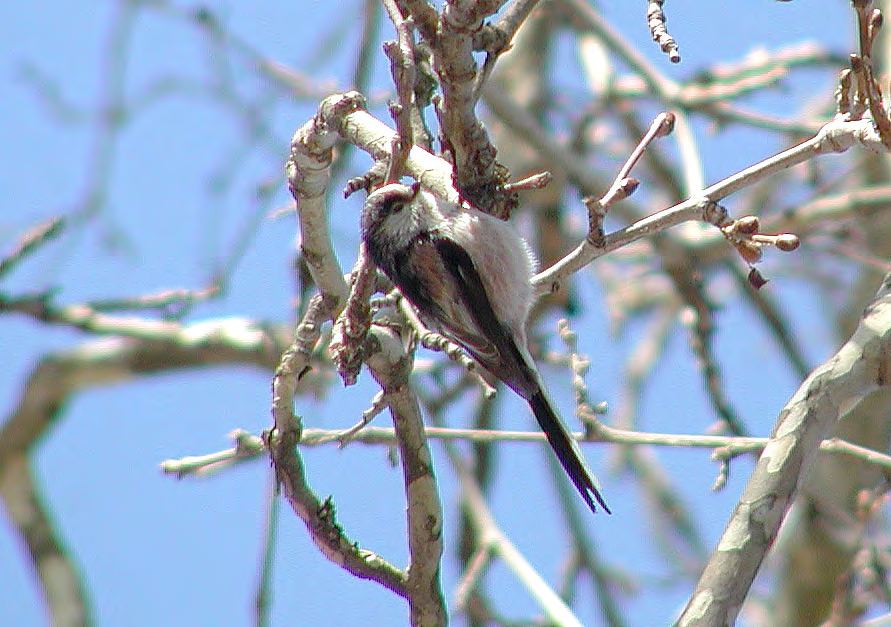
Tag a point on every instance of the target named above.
point(468, 275)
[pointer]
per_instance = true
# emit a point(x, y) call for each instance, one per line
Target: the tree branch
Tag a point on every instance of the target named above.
point(390, 366)
point(827, 395)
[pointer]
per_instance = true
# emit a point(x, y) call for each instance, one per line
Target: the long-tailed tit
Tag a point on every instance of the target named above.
point(468, 275)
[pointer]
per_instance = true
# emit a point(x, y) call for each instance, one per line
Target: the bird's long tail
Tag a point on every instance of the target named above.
point(567, 450)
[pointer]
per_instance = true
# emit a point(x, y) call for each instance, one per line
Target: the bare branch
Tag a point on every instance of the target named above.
point(31, 241)
point(309, 171)
point(319, 517)
point(836, 136)
point(477, 176)
point(263, 596)
point(659, 32)
point(388, 365)
point(725, 447)
point(402, 67)
point(59, 376)
point(623, 186)
point(828, 394)
point(64, 592)
point(491, 538)
point(351, 326)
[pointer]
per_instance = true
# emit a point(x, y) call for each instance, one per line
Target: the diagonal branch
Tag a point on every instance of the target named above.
point(835, 137)
point(835, 388)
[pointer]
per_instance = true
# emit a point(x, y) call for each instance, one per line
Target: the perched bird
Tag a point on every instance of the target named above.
point(468, 275)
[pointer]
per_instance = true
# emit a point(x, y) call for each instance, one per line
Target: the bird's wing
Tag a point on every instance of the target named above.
point(489, 340)
point(427, 280)
point(515, 369)
point(442, 280)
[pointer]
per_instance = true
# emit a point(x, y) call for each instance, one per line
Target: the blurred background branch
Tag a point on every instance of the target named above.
point(146, 264)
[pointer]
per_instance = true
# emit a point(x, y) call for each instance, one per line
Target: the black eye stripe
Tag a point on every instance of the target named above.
point(395, 205)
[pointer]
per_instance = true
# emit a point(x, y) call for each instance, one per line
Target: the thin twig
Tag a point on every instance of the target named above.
point(659, 32)
point(493, 539)
point(725, 445)
point(402, 68)
point(476, 566)
point(30, 242)
point(263, 597)
point(623, 186)
point(378, 404)
point(836, 136)
point(496, 39)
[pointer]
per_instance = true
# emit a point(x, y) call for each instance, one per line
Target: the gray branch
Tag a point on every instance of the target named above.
point(831, 391)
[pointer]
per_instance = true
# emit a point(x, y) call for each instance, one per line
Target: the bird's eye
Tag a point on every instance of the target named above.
point(395, 206)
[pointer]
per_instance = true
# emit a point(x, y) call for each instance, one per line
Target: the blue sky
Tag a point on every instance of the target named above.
point(182, 189)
